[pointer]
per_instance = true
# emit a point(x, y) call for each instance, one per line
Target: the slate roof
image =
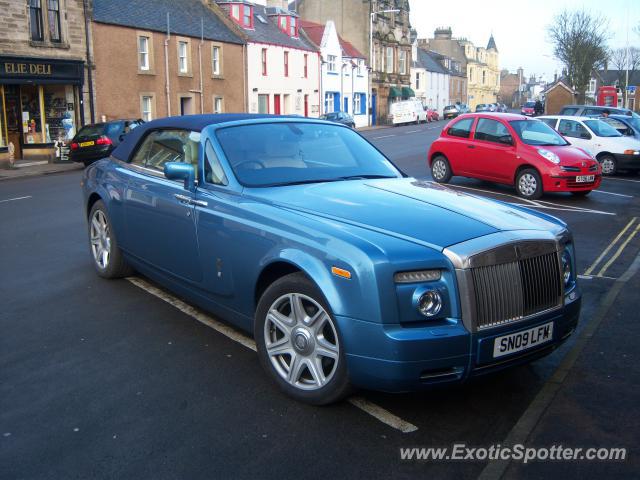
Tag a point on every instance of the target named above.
point(184, 17)
point(270, 33)
point(315, 32)
point(492, 43)
point(425, 59)
point(609, 77)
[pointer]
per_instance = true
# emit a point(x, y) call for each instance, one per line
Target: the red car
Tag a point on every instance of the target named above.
point(514, 150)
point(432, 115)
point(528, 109)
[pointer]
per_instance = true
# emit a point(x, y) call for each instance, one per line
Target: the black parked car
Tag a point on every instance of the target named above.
point(98, 140)
point(340, 117)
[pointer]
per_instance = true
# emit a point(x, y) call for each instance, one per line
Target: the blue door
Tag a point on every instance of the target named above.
point(374, 99)
point(159, 216)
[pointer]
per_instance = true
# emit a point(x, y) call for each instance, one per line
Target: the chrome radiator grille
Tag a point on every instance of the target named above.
point(511, 291)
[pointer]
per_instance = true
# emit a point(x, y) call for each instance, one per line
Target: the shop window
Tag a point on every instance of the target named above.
point(35, 20)
point(3, 139)
point(31, 117)
point(54, 20)
point(59, 113)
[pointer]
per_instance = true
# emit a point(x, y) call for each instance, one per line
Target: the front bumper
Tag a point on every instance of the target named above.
point(566, 182)
point(393, 358)
point(627, 162)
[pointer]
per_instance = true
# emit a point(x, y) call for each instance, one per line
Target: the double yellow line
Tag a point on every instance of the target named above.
point(614, 257)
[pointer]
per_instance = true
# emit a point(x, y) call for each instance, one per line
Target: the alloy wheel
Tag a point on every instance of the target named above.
point(301, 341)
point(439, 169)
point(100, 239)
point(608, 166)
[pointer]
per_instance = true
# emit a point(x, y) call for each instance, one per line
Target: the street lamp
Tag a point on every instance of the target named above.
point(371, 15)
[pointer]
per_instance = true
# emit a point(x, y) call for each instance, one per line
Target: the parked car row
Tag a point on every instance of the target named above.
point(452, 111)
point(491, 107)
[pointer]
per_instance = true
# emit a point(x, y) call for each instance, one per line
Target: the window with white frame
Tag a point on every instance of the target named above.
point(389, 60)
point(218, 105)
point(402, 62)
point(360, 62)
point(143, 53)
point(357, 106)
point(147, 108)
point(215, 60)
point(417, 80)
point(328, 101)
point(183, 60)
point(293, 29)
point(592, 86)
point(331, 63)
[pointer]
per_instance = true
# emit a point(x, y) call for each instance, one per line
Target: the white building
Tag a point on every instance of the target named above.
point(283, 66)
point(344, 80)
point(430, 79)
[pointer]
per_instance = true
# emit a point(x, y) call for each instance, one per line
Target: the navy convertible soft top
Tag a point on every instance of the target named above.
point(187, 122)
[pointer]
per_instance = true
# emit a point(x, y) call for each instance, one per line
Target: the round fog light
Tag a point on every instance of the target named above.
point(430, 303)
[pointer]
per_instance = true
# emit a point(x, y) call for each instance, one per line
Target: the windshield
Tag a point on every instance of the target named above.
point(537, 133)
point(602, 129)
point(634, 122)
point(270, 154)
point(530, 104)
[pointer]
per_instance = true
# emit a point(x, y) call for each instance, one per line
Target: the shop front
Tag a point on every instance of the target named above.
point(41, 102)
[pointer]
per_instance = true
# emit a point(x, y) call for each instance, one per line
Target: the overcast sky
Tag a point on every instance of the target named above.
point(519, 27)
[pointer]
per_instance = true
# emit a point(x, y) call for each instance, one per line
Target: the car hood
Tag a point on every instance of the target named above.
point(570, 155)
point(418, 211)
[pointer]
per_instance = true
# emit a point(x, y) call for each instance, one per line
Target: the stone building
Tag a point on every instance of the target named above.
point(480, 64)
point(389, 56)
point(45, 88)
point(156, 58)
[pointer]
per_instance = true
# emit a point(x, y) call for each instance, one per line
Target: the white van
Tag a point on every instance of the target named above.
point(407, 111)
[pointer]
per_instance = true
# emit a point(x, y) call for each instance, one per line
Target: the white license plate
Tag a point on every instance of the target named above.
point(585, 178)
point(517, 342)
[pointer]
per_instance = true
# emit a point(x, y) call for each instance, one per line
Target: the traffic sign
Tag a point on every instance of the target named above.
point(631, 89)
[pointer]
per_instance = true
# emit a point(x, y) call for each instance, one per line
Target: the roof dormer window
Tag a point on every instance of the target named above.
point(242, 14)
point(289, 25)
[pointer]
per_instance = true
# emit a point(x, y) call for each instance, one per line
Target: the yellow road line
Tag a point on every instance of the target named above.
point(619, 251)
point(366, 406)
point(609, 247)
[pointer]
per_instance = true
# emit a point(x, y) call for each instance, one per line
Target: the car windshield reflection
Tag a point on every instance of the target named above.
point(534, 132)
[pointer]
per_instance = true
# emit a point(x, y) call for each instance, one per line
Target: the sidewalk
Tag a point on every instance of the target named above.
point(39, 169)
point(595, 402)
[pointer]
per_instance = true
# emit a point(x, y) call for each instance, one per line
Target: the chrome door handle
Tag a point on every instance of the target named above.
point(182, 198)
point(199, 203)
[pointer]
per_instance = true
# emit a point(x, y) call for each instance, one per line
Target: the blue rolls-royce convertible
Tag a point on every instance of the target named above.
point(347, 272)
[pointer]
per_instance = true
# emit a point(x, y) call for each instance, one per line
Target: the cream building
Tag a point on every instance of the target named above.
point(483, 73)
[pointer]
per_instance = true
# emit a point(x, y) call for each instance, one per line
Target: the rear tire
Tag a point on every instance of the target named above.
point(529, 184)
point(441, 169)
point(609, 165)
point(103, 245)
point(298, 341)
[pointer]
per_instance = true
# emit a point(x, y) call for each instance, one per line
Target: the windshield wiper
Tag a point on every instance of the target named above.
point(365, 177)
point(304, 182)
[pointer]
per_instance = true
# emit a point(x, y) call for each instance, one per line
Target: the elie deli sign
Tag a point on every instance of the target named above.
point(39, 70)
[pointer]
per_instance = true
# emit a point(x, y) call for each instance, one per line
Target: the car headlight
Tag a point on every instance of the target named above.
point(552, 157)
point(417, 276)
point(430, 303)
point(567, 274)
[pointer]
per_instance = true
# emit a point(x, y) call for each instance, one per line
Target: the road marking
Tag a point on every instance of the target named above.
point(619, 251)
point(609, 247)
point(542, 204)
point(621, 179)
point(383, 136)
point(591, 277)
point(413, 131)
point(14, 199)
point(366, 406)
point(611, 193)
point(383, 415)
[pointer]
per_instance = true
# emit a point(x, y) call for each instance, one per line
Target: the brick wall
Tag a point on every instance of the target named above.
point(557, 98)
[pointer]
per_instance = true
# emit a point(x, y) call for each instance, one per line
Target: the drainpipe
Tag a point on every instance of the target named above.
point(245, 74)
point(85, 7)
point(200, 64)
point(320, 98)
point(166, 67)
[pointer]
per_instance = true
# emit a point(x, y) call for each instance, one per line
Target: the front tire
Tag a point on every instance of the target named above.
point(529, 184)
point(609, 165)
point(441, 169)
point(298, 342)
point(107, 256)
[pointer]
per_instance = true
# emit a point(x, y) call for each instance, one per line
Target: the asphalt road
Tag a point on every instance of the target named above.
point(101, 379)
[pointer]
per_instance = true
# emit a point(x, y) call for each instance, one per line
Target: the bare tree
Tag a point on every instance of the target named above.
point(623, 59)
point(580, 43)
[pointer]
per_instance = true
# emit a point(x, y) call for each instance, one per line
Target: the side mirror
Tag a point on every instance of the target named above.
point(181, 171)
